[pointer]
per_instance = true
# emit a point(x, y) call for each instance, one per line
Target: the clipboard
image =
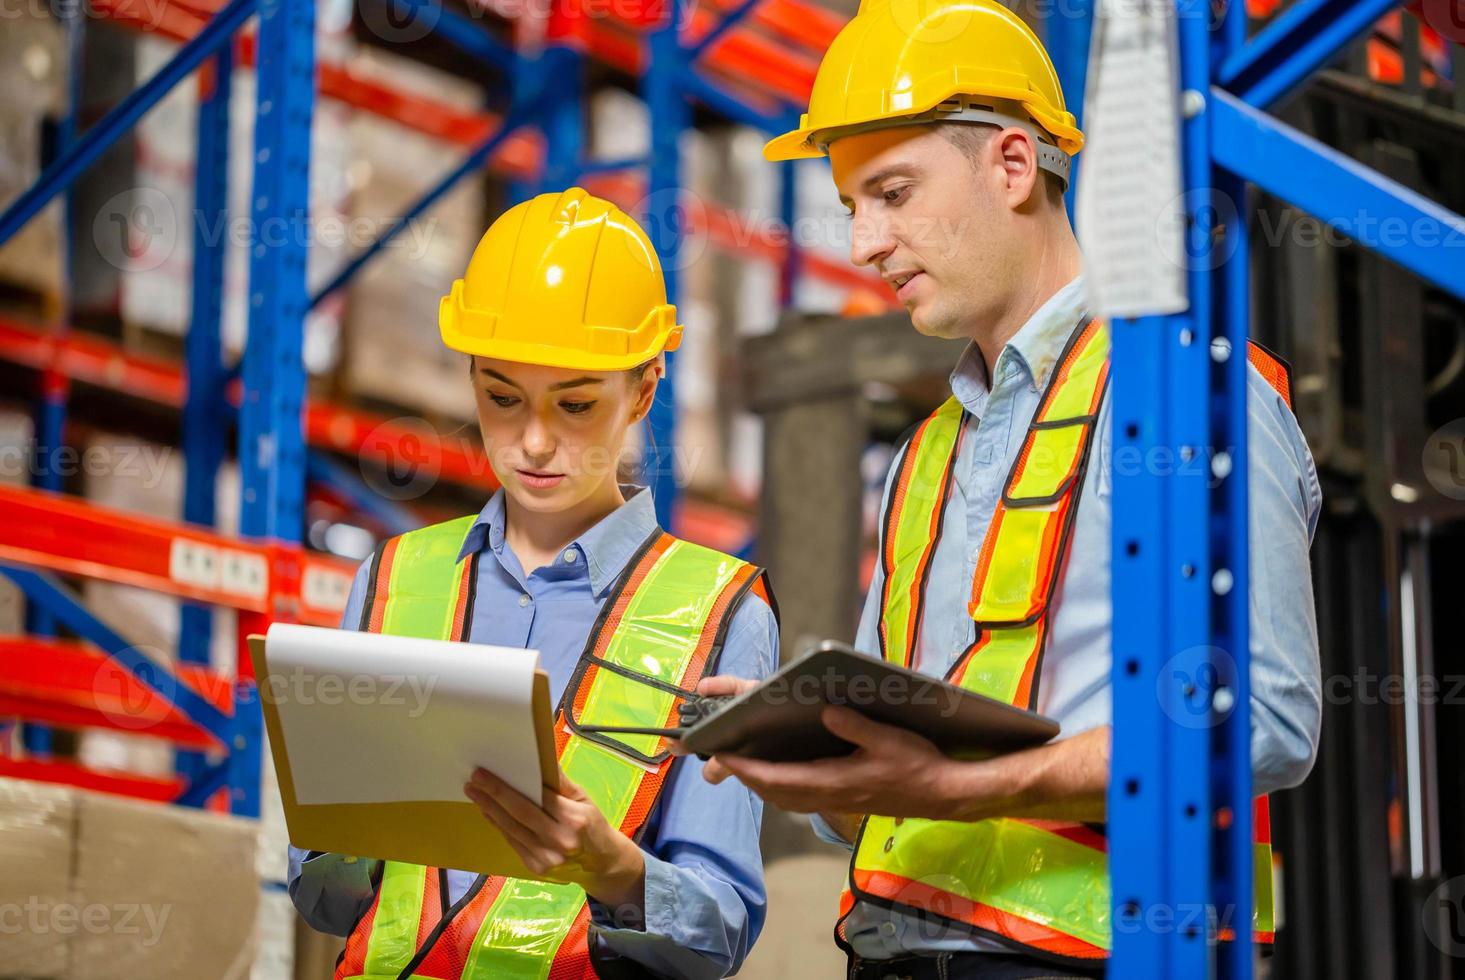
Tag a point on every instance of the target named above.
point(436, 833)
point(779, 720)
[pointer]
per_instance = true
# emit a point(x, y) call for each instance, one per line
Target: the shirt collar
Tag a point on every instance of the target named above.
point(1034, 349)
point(608, 546)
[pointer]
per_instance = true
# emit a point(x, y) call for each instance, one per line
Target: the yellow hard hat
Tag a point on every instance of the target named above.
point(564, 280)
point(901, 62)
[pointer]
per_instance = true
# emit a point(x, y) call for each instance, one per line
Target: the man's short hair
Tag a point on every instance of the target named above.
point(972, 137)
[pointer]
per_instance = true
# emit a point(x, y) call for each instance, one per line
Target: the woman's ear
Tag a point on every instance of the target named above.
point(646, 392)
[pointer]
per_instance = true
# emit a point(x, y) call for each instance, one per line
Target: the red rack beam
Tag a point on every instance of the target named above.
point(70, 684)
point(375, 438)
point(64, 534)
point(154, 788)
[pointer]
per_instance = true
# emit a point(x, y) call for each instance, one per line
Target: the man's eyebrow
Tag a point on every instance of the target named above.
point(872, 183)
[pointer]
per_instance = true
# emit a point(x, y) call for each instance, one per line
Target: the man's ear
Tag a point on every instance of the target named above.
point(1019, 163)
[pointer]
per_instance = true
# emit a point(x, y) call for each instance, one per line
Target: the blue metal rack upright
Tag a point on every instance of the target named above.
point(1180, 806)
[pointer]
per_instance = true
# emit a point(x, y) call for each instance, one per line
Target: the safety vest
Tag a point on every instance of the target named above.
point(1036, 885)
point(659, 631)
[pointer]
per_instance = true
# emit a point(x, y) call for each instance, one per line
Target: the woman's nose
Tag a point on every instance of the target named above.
point(538, 441)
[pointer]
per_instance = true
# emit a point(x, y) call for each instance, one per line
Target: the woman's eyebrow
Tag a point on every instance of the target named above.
point(572, 383)
point(577, 382)
point(502, 377)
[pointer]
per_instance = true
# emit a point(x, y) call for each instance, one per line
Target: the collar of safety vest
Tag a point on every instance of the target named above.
point(607, 547)
point(1033, 350)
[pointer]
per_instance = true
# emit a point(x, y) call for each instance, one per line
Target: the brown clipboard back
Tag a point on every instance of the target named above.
point(437, 833)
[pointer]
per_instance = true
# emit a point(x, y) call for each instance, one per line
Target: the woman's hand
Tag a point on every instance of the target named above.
point(567, 839)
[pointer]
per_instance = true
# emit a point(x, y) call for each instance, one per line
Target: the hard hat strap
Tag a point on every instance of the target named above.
point(963, 109)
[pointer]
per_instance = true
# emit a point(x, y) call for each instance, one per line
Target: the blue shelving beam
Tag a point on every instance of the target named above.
point(1180, 802)
point(272, 455)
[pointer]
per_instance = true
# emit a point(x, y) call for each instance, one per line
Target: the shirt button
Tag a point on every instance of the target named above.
point(523, 600)
point(888, 928)
point(571, 555)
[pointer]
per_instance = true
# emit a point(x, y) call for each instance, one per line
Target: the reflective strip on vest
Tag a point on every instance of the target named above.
point(666, 616)
point(917, 502)
point(1037, 884)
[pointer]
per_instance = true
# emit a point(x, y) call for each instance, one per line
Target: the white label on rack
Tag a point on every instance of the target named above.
point(324, 588)
point(245, 574)
point(1130, 211)
point(193, 563)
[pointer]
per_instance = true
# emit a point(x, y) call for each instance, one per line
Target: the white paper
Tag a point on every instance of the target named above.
point(371, 718)
point(1130, 210)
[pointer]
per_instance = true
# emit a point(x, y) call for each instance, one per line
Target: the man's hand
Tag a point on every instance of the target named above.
point(721, 685)
point(892, 771)
point(897, 773)
point(847, 825)
point(567, 839)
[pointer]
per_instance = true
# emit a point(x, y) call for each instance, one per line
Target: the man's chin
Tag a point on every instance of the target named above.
point(928, 324)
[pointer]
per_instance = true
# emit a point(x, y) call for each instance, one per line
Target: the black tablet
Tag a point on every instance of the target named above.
point(779, 719)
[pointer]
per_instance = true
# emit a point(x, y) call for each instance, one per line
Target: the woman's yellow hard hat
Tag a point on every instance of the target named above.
point(563, 280)
point(900, 62)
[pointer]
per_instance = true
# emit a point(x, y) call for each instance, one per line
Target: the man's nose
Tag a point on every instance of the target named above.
point(871, 240)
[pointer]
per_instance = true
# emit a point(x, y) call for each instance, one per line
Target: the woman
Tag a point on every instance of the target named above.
point(651, 871)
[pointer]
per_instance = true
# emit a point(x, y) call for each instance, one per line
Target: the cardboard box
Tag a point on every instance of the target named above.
point(274, 957)
point(37, 825)
point(316, 953)
point(393, 351)
point(99, 887)
point(186, 876)
point(33, 73)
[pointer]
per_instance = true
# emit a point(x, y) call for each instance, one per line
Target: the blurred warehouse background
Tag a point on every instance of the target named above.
point(126, 300)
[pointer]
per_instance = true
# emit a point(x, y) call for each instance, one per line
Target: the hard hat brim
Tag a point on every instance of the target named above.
point(793, 145)
point(550, 355)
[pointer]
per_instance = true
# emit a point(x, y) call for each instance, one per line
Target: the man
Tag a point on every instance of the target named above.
point(946, 130)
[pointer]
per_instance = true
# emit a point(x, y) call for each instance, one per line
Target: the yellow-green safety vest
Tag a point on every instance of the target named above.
point(659, 631)
point(1036, 885)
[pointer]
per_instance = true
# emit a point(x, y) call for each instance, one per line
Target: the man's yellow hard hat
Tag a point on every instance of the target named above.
point(901, 62)
point(563, 280)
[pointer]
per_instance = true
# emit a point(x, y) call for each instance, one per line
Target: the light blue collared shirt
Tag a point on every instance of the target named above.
point(705, 898)
point(1286, 686)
